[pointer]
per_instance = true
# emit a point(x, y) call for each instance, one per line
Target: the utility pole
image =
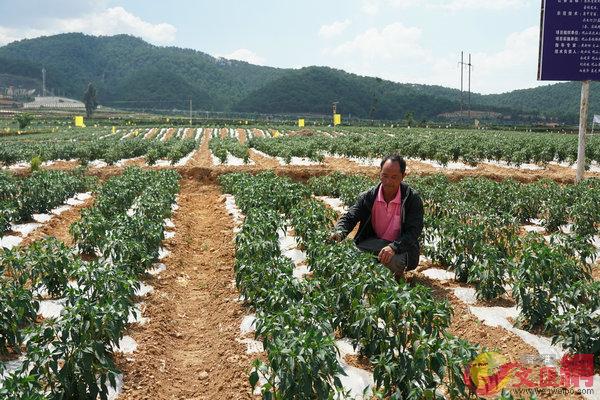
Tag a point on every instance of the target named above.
point(462, 65)
point(334, 110)
point(190, 111)
point(43, 82)
point(583, 114)
point(470, 66)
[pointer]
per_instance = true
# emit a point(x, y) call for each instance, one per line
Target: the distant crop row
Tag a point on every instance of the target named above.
point(96, 145)
point(469, 146)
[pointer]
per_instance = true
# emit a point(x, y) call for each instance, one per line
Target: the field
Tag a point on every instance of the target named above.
point(193, 263)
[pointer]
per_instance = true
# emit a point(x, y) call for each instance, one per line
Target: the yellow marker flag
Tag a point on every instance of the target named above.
point(301, 122)
point(337, 119)
point(114, 129)
point(276, 134)
point(79, 121)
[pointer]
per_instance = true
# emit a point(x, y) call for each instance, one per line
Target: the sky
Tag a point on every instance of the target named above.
point(407, 41)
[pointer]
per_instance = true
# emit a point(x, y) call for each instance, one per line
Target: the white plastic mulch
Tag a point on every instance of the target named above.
point(336, 204)
point(504, 164)
point(439, 274)
point(260, 153)
point(357, 381)
point(365, 161)
point(594, 166)
point(231, 160)
point(298, 161)
point(500, 317)
point(24, 230)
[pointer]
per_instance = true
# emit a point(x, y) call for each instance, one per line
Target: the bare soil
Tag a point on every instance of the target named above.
point(242, 134)
point(189, 133)
point(188, 349)
point(261, 161)
point(258, 132)
point(152, 134)
point(202, 157)
point(169, 134)
point(58, 226)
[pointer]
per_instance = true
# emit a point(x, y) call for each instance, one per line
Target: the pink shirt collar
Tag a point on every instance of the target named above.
point(380, 197)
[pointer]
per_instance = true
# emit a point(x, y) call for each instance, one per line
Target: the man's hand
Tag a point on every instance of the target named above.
point(385, 255)
point(335, 237)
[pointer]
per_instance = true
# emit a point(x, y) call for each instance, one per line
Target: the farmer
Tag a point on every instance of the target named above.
point(391, 219)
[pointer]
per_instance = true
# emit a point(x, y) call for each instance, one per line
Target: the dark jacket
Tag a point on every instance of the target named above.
point(410, 228)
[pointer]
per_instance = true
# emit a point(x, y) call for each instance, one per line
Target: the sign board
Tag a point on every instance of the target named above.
point(569, 41)
point(79, 121)
point(337, 119)
point(301, 122)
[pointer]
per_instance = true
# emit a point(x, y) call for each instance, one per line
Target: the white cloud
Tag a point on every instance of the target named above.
point(393, 52)
point(334, 29)
point(512, 67)
point(244, 55)
point(8, 35)
point(372, 7)
point(118, 20)
point(495, 5)
point(396, 52)
point(109, 21)
point(392, 41)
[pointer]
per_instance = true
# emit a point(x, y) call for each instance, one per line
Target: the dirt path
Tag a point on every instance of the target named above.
point(188, 349)
point(152, 134)
point(202, 157)
point(262, 161)
point(242, 134)
point(59, 225)
point(189, 133)
point(343, 164)
point(257, 132)
point(223, 133)
point(169, 134)
point(596, 272)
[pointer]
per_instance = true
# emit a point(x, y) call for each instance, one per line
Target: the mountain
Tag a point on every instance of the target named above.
point(129, 72)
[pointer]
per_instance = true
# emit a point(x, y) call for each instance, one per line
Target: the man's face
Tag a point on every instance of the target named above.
point(391, 176)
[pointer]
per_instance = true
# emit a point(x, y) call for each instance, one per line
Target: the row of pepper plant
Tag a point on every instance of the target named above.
point(117, 240)
point(220, 147)
point(96, 144)
point(40, 192)
point(474, 228)
point(401, 328)
point(442, 145)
